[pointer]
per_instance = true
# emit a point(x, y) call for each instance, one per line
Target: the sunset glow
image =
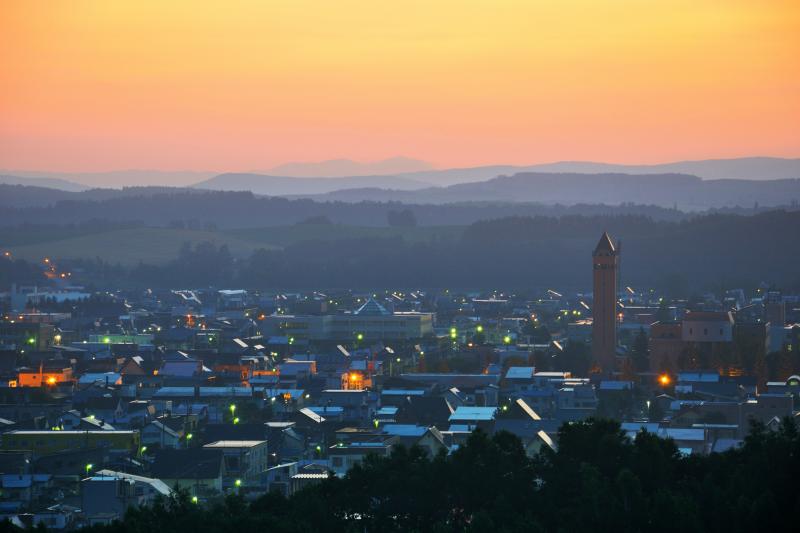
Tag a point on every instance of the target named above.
point(98, 85)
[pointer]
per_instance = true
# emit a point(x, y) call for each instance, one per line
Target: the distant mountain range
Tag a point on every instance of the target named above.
point(289, 186)
point(396, 180)
point(667, 190)
point(51, 183)
point(79, 181)
point(341, 168)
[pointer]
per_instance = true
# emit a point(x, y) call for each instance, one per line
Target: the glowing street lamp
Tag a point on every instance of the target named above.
point(238, 483)
point(89, 467)
point(664, 380)
point(194, 500)
point(360, 337)
point(507, 339)
point(479, 329)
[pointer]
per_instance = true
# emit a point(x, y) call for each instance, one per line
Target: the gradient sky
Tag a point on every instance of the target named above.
point(239, 85)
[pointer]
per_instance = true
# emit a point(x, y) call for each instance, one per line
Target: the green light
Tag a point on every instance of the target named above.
point(89, 467)
point(107, 340)
point(507, 339)
point(360, 337)
point(238, 482)
point(319, 448)
point(453, 333)
point(479, 329)
point(291, 340)
point(32, 340)
point(236, 420)
point(232, 408)
point(144, 449)
point(194, 499)
point(189, 436)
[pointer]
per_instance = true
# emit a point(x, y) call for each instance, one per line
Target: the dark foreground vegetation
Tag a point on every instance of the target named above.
point(597, 481)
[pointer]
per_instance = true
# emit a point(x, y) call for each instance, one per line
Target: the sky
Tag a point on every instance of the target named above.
point(242, 85)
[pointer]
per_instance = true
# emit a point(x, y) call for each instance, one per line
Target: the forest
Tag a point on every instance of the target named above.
point(710, 252)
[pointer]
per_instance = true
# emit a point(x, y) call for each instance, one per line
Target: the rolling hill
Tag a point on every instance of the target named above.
point(666, 190)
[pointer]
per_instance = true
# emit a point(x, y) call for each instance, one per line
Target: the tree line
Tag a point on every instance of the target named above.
point(710, 252)
point(597, 480)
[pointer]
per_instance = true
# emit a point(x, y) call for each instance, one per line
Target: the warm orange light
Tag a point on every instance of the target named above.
point(353, 377)
point(664, 379)
point(51, 380)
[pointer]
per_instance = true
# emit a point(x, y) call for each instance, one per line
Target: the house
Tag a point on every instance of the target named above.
point(133, 366)
point(198, 470)
point(245, 461)
point(44, 377)
point(344, 456)
point(106, 495)
point(310, 474)
point(59, 516)
point(470, 416)
point(139, 412)
point(105, 407)
point(104, 378)
point(180, 365)
point(23, 487)
point(47, 442)
point(159, 433)
point(428, 438)
point(279, 478)
point(519, 379)
point(424, 411)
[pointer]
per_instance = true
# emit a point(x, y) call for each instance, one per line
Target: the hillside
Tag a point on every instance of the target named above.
point(287, 186)
point(667, 190)
point(129, 246)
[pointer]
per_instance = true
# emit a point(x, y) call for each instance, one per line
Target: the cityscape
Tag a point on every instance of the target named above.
point(228, 302)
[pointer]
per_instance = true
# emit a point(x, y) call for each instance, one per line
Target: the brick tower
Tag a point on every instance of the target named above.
point(605, 261)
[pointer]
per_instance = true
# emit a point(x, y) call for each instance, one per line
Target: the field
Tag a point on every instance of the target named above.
point(285, 235)
point(160, 245)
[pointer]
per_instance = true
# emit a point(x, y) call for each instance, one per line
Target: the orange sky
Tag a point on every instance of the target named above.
point(241, 85)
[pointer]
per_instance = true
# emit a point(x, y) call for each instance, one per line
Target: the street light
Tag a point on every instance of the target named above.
point(479, 329)
point(194, 499)
point(88, 468)
point(238, 482)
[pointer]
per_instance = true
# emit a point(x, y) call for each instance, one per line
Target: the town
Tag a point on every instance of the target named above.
point(404, 267)
point(115, 399)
